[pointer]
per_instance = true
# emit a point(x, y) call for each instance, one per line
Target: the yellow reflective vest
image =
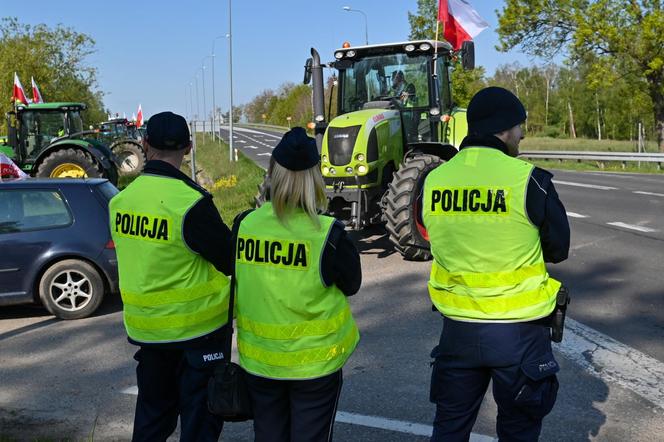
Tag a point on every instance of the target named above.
point(488, 263)
point(290, 324)
point(169, 293)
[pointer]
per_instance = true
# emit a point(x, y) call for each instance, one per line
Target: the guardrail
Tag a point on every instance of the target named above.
point(580, 155)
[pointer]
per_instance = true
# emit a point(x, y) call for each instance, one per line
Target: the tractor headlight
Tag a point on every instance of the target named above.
point(359, 157)
point(326, 170)
point(425, 47)
point(350, 53)
point(362, 169)
point(434, 111)
point(333, 171)
point(339, 55)
point(349, 169)
point(324, 158)
point(409, 48)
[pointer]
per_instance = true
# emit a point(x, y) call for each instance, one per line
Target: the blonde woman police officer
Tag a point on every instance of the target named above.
point(294, 269)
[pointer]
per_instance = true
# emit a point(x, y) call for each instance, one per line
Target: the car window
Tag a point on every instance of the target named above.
point(31, 209)
point(108, 190)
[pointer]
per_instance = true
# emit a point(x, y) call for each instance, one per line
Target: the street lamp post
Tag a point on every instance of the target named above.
point(366, 26)
point(191, 99)
point(230, 75)
point(198, 108)
point(214, 102)
point(204, 105)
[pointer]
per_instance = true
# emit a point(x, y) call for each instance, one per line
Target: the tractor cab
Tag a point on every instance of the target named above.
point(395, 123)
point(124, 140)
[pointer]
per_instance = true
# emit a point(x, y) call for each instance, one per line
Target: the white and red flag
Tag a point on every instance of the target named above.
point(36, 93)
point(460, 21)
point(139, 117)
point(8, 169)
point(19, 94)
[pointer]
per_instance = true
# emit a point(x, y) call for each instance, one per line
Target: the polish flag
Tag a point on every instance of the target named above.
point(8, 169)
point(460, 21)
point(139, 118)
point(19, 93)
point(36, 93)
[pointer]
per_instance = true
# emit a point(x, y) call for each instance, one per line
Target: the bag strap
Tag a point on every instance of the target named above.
point(231, 301)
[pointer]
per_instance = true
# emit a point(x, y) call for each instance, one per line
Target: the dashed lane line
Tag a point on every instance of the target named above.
point(251, 147)
point(576, 215)
point(648, 193)
point(633, 227)
point(589, 186)
point(263, 154)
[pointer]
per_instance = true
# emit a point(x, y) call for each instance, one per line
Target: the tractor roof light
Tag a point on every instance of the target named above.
point(338, 55)
point(409, 47)
point(425, 47)
point(319, 118)
point(434, 111)
point(350, 53)
point(445, 118)
point(346, 45)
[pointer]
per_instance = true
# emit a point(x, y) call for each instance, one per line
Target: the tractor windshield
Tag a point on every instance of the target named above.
point(75, 122)
point(39, 128)
point(398, 81)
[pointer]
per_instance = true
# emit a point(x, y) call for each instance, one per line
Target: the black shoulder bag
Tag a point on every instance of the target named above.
point(228, 396)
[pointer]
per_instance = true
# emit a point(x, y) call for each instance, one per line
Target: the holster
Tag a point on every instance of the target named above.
point(558, 314)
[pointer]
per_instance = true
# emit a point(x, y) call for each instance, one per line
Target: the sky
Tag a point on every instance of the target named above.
point(155, 53)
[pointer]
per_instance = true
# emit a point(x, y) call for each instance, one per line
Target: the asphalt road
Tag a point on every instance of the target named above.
point(70, 379)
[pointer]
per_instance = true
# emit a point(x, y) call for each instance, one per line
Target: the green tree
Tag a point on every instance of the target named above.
point(55, 57)
point(423, 27)
point(625, 35)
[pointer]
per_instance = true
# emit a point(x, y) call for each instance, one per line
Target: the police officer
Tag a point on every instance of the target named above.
point(493, 221)
point(294, 269)
point(172, 249)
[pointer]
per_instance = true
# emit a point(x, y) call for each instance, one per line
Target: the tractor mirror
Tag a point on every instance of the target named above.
point(307, 70)
point(468, 55)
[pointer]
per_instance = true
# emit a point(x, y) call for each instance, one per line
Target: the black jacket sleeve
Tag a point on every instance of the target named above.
point(340, 263)
point(205, 233)
point(547, 212)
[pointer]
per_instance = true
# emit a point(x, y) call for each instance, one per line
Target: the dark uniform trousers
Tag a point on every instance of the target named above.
point(173, 382)
point(517, 357)
point(294, 411)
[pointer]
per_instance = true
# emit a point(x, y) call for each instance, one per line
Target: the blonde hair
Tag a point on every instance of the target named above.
point(301, 189)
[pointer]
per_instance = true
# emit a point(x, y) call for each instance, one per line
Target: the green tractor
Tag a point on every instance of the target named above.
point(396, 122)
point(124, 139)
point(48, 140)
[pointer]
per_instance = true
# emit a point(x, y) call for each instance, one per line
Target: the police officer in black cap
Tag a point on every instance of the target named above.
point(173, 260)
point(493, 221)
point(294, 270)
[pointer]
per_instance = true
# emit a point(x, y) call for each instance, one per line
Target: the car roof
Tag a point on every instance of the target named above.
point(48, 182)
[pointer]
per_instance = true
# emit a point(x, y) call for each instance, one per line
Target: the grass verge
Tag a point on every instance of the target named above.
point(233, 185)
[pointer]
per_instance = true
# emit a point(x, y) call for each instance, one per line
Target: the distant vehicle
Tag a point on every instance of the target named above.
point(56, 244)
point(48, 140)
point(124, 138)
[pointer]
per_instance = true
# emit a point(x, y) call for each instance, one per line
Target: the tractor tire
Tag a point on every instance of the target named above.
point(263, 194)
point(130, 156)
point(70, 163)
point(400, 208)
point(111, 174)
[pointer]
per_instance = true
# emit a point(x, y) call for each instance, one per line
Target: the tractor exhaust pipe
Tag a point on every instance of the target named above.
point(316, 72)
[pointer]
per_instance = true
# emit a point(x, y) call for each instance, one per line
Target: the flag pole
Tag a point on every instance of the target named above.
point(435, 49)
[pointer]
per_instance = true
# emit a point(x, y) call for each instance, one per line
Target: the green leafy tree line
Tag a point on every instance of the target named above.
point(56, 58)
point(275, 107)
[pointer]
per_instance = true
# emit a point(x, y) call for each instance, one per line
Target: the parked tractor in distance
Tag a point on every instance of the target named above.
point(396, 122)
point(48, 140)
point(124, 139)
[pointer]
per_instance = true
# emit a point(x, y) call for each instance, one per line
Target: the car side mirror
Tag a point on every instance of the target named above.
point(468, 55)
point(307, 70)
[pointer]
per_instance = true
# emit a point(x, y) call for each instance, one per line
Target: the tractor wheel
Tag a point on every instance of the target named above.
point(130, 156)
point(406, 233)
point(111, 174)
point(70, 163)
point(263, 194)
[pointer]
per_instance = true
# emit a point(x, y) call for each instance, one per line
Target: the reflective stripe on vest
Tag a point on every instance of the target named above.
point(169, 293)
point(290, 326)
point(488, 263)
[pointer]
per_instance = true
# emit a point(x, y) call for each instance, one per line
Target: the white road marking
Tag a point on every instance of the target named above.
point(241, 141)
point(575, 215)
point(244, 129)
point(648, 193)
point(396, 425)
point(264, 154)
point(251, 147)
point(632, 227)
point(613, 361)
point(375, 422)
point(589, 186)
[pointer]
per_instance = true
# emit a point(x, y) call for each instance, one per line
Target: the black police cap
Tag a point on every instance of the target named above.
point(296, 150)
point(168, 131)
point(493, 110)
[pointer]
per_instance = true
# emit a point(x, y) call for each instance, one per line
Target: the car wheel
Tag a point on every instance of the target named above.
point(71, 289)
